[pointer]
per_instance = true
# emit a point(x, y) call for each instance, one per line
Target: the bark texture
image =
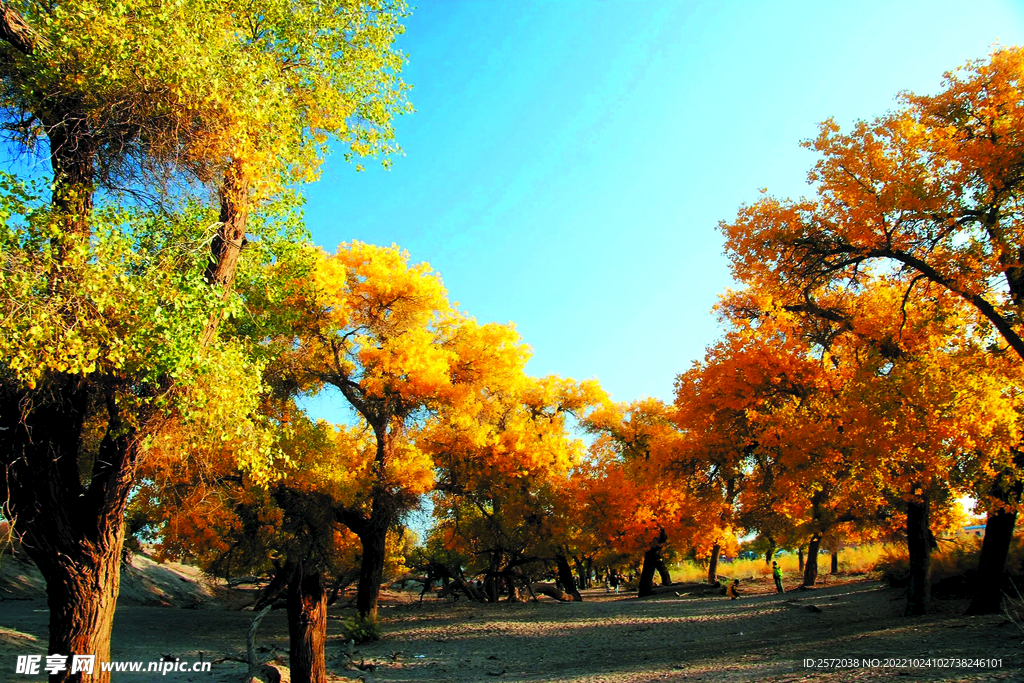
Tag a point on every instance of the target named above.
point(307, 626)
point(69, 508)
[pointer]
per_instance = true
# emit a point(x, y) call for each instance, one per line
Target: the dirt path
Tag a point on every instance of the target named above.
point(612, 639)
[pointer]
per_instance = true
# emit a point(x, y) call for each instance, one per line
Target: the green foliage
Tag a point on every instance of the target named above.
point(193, 84)
point(360, 629)
point(126, 310)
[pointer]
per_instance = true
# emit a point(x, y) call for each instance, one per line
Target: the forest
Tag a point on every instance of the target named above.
point(164, 314)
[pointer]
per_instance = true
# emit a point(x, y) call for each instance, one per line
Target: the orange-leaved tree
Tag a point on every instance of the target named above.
point(930, 190)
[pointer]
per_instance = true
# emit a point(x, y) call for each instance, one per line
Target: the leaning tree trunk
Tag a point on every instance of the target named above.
point(226, 246)
point(999, 524)
point(565, 577)
point(920, 550)
point(811, 565)
point(307, 626)
point(713, 563)
point(651, 559)
point(666, 578)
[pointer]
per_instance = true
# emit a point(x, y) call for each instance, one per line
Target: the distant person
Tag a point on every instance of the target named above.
point(733, 591)
point(777, 573)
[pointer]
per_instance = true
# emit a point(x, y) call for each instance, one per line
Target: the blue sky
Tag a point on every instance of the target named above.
point(568, 162)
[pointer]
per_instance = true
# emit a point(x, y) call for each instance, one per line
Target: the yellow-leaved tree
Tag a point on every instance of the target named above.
point(237, 97)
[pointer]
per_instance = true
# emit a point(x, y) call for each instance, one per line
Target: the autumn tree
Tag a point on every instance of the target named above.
point(284, 527)
point(930, 190)
point(503, 456)
point(648, 506)
point(880, 416)
point(382, 333)
point(110, 91)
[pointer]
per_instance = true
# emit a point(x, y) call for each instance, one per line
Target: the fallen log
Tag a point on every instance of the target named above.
point(551, 591)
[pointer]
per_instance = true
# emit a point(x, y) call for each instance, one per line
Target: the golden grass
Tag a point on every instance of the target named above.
point(855, 560)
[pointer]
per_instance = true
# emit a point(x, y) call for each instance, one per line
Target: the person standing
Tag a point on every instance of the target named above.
point(777, 573)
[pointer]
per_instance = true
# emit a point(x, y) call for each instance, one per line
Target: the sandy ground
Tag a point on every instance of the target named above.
point(761, 637)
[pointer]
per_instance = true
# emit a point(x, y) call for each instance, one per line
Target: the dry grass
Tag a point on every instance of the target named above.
point(856, 560)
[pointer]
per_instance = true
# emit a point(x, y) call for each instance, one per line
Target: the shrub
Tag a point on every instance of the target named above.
point(360, 630)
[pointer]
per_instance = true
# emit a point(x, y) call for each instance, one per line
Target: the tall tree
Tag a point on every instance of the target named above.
point(110, 91)
point(931, 190)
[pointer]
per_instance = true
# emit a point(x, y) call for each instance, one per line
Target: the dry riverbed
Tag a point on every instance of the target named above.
point(761, 637)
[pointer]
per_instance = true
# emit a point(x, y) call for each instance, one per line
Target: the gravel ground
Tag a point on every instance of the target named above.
point(606, 638)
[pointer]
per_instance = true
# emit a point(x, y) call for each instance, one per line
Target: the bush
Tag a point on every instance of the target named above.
point(953, 566)
point(360, 630)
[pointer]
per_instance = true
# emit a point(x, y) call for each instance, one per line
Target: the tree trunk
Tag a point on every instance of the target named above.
point(666, 579)
point(713, 563)
point(834, 569)
point(581, 574)
point(811, 565)
point(920, 551)
point(770, 553)
point(989, 580)
point(82, 593)
point(514, 593)
point(226, 246)
point(800, 559)
point(647, 572)
point(307, 626)
point(74, 532)
point(565, 577)
point(371, 571)
point(651, 560)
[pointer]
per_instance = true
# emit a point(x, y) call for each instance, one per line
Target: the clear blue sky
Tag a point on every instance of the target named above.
point(568, 161)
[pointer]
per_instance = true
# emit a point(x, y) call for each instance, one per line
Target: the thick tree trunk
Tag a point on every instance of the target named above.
point(652, 558)
point(834, 568)
point(713, 563)
point(811, 565)
point(647, 572)
point(371, 571)
point(73, 532)
point(989, 580)
point(920, 551)
point(565, 577)
point(81, 594)
point(307, 626)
